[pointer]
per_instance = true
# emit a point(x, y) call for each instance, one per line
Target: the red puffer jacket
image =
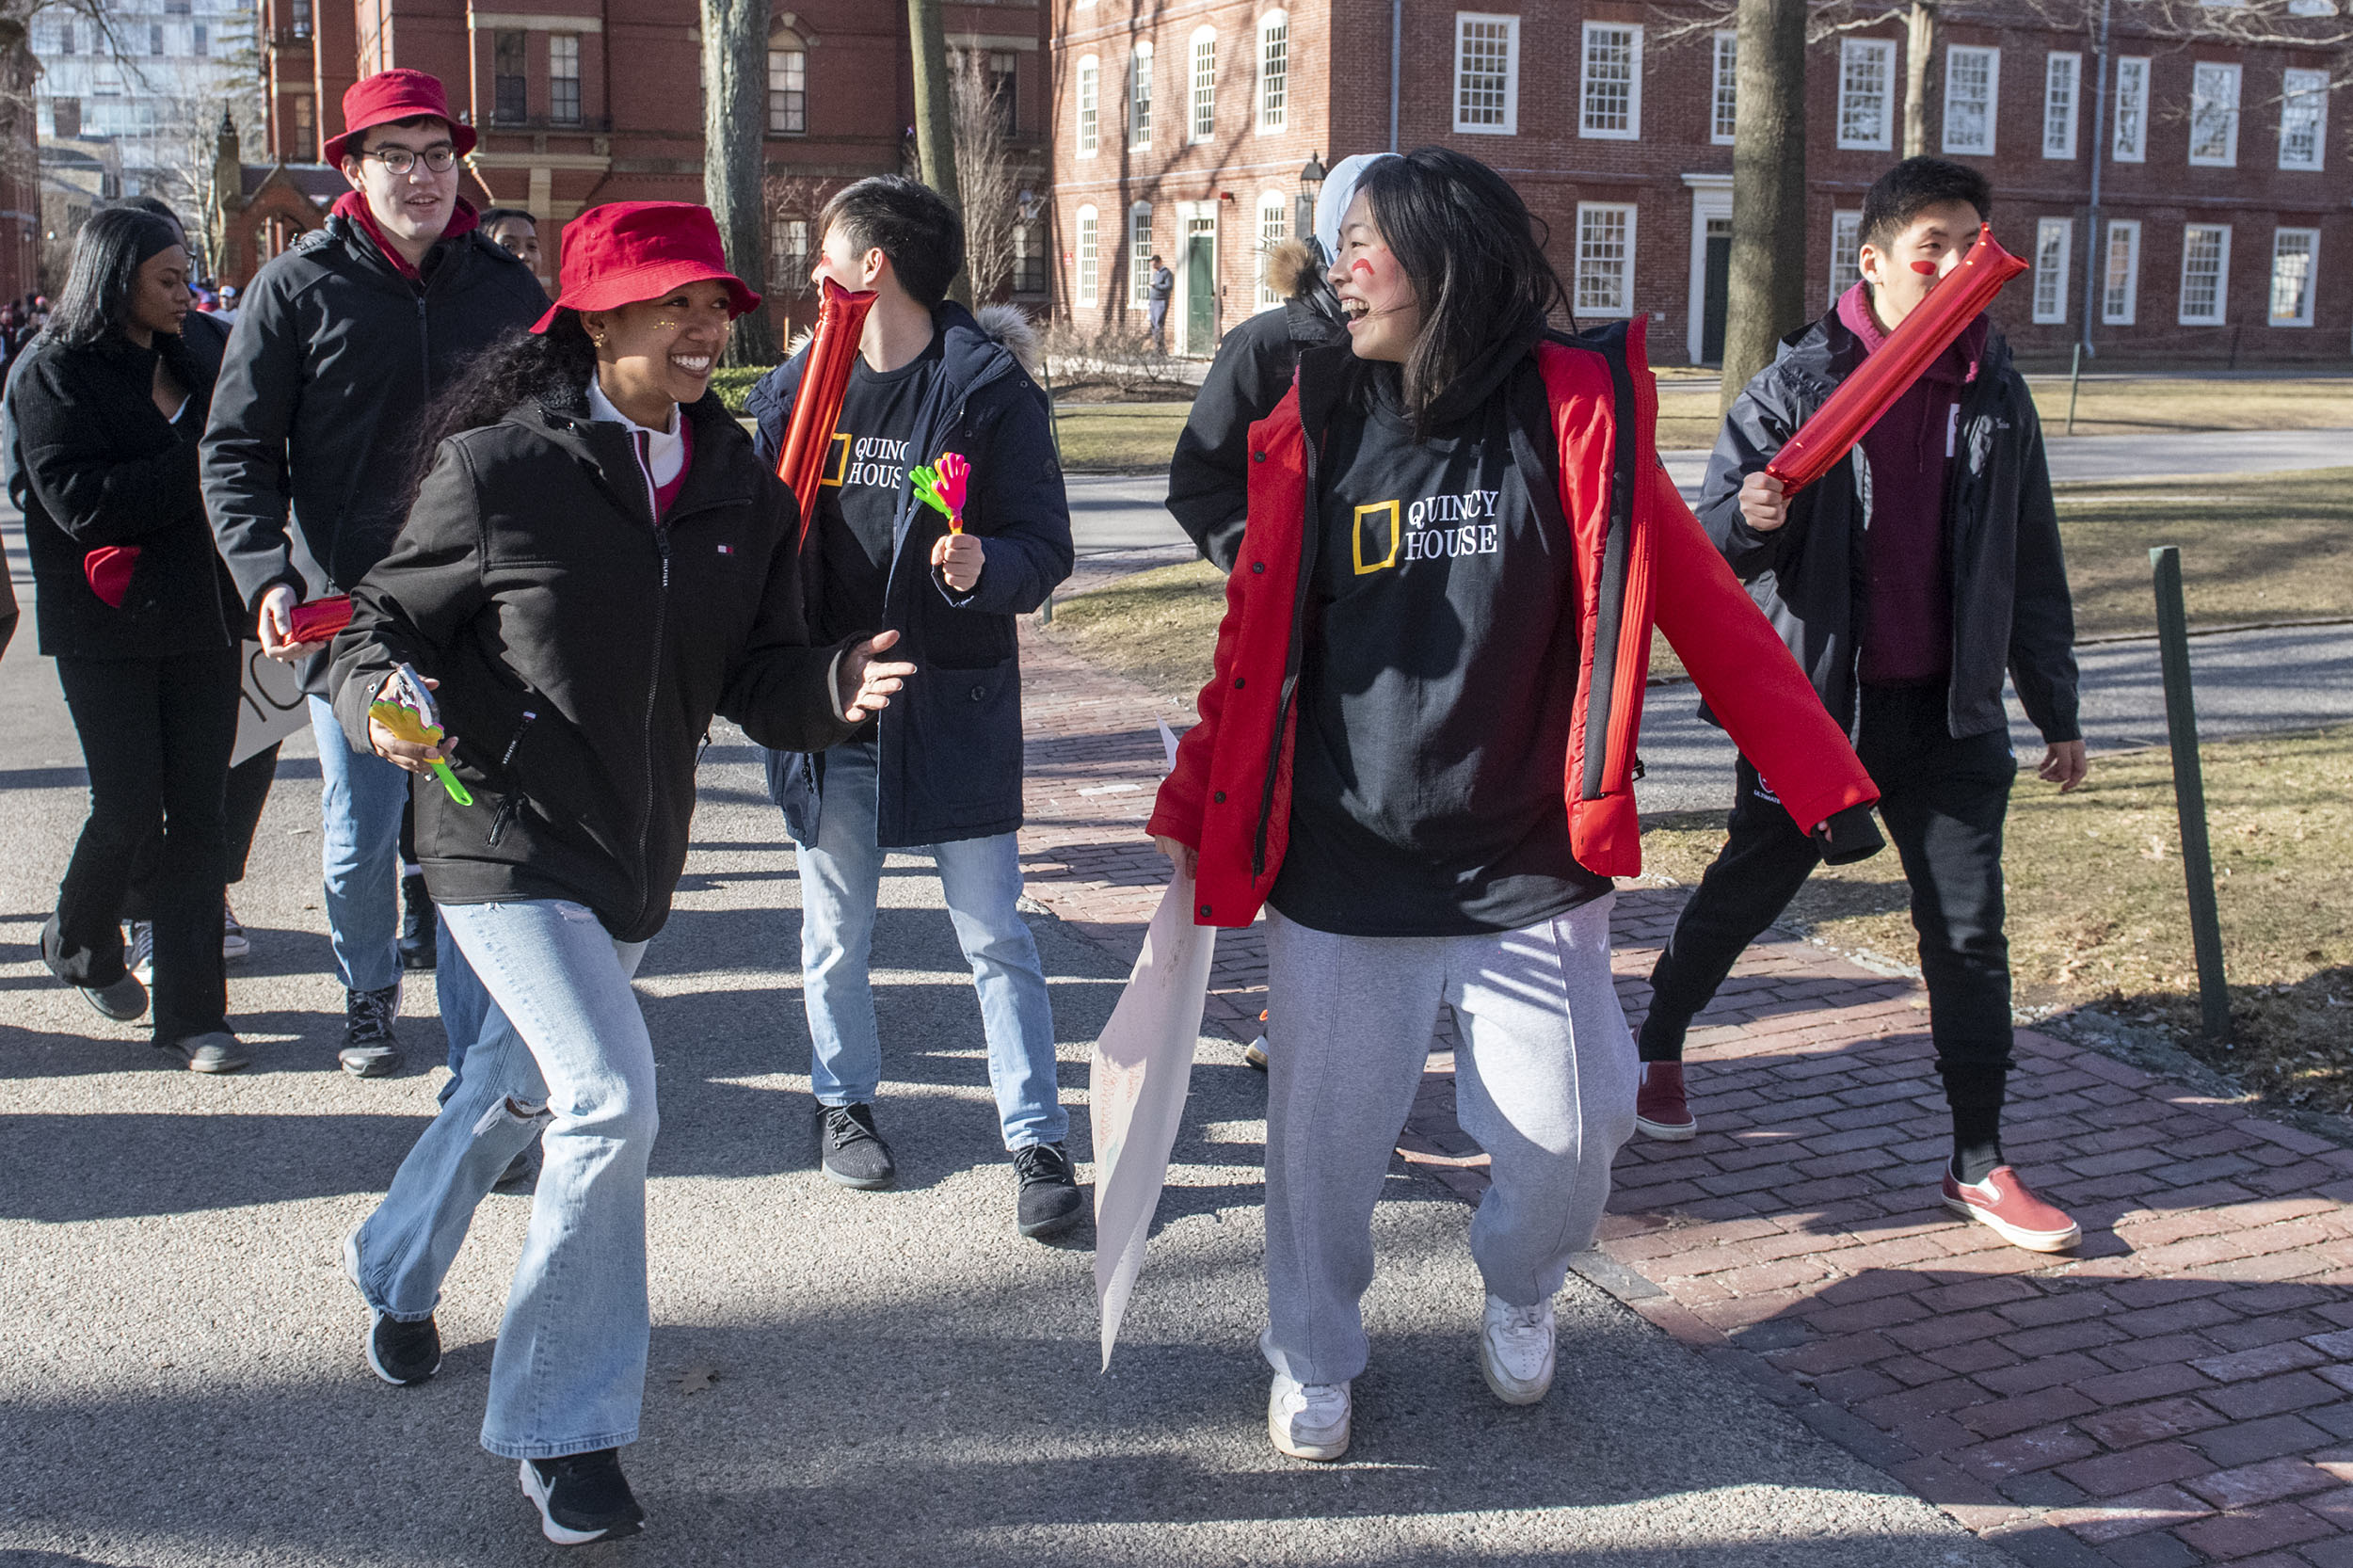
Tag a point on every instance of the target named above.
point(1229, 794)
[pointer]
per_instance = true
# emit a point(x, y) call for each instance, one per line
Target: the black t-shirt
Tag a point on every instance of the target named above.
point(857, 497)
point(1437, 685)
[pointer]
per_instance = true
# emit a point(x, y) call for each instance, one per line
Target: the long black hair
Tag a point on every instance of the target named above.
point(95, 303)
point(554, 367)
point(1474, 255)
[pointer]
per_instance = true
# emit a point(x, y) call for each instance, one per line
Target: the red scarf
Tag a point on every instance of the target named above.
point(353, 205)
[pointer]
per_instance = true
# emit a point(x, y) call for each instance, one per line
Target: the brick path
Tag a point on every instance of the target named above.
point(2178, 1391)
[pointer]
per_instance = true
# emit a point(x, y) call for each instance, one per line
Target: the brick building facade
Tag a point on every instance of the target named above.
point(2223, 231)
point(579, 102)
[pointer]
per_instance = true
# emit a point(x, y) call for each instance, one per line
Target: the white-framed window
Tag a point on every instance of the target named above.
point(2120, 277)
point(1139, 252)
point(1275, 225)
point(1605, 258)
point(1723, 100)
point(1846, 252)
point(1204, 118)
point(1090, 257)
point(787, 89)
point(2214, 114)
point(2054, 245)
point(1611, 82)
point(1090, 93)
point(2131, 142)
point(2303, 119)
point(2062, 88)
point(2205, 274)
point(1486, 73)
point(788, 249)
point(2294, 254)
point(1973, 90)
point(563, 77)
point(1274, 69)
point(1140, 96)
point(1867, 78)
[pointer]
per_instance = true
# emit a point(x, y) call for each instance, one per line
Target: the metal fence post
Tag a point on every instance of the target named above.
point(2189, 792)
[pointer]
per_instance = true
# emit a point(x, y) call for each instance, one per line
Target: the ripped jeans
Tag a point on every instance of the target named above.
point(569, 1372)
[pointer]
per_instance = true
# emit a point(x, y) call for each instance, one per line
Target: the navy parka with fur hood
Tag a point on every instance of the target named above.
point(950, 744)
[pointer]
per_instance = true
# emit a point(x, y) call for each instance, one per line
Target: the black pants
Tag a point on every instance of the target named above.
point(243, 801)
point(1943, 801)
point(156, 735)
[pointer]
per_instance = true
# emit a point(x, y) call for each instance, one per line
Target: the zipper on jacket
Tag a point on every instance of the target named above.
point(653, 694)
point(1311, 536)
point(510, 808)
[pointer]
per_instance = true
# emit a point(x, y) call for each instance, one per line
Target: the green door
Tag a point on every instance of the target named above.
point(1200, 293)
point(1718, 284)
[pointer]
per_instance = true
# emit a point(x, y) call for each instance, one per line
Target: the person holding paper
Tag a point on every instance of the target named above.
point(595, 565)
point(1906, 581)
point(139, 612)
point(940, 773)
point(341, 341)
point(1418, 753)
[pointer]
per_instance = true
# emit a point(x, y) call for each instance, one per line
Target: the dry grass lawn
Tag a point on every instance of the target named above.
point(2098, 913)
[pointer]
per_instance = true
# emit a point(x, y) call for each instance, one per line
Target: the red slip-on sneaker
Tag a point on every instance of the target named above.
point(2005, 1202)
point(1659, 1109)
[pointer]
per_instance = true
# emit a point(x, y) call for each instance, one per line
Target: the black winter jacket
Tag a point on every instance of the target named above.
point(2011, 605)
point(582, 651)
point(950, 744)
point(334, 357)
point(94, 462)
point(1208, 488)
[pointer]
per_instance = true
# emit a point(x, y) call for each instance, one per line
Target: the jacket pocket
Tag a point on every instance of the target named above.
point(963, 747)
point(956, 639)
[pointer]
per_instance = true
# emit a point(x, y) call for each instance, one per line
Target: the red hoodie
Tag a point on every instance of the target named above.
point(354, 206)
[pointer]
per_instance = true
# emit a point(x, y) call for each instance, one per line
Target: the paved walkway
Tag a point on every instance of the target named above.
point(2179, 1391)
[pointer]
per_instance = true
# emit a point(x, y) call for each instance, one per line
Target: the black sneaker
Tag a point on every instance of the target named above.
point(850, 1151)
point(369, 1048)
point(417, 934)
point(403, 1355)
point(1050, 1202)
point(124, 1001)
point(582, 1498)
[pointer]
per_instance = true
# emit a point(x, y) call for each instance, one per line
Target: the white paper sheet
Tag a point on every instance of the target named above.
point(272, 706)
point(1142, 1069)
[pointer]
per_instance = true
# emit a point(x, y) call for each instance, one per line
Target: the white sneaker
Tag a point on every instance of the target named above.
point(1515, 1350)
point(1307, 1420)
point(140, 960)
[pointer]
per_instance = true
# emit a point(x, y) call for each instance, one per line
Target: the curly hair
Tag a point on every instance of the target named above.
point(553, 367)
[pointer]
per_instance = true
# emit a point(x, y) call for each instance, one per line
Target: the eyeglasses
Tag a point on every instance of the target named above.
point(400, 160)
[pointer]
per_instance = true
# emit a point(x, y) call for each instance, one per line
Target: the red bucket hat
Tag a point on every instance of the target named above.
point(625, 252)
point(394, 95)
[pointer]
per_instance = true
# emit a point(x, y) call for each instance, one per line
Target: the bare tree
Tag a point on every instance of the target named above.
point(735, 120)
point(1767, 294)
point(934, 141)
point(986, 174)
point(795, 199)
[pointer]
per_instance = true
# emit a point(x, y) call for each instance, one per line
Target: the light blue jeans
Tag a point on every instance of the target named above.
point(569, 1372)
point(841, 880)
point(360, 800)
point(465, 1006)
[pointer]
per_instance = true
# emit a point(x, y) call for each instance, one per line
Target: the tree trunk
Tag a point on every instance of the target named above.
point(1767, 296)
point(735, 84)
point(935, 136)
point(1919, 53)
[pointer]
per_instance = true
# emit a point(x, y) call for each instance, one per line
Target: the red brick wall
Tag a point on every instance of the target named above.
point(1339, 70)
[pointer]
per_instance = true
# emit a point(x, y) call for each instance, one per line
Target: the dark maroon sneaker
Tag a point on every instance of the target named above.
point(2009, 1204)
point(1658, 1104)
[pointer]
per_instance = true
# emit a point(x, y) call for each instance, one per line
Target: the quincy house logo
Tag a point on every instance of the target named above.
point(1434, 528)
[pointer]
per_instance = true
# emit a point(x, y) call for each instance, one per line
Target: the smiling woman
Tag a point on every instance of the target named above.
point(591, 513)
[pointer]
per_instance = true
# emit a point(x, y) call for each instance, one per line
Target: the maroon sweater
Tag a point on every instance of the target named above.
point(1908, 616)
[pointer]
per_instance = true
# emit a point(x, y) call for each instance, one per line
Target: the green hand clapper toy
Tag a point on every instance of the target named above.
point(410, 715)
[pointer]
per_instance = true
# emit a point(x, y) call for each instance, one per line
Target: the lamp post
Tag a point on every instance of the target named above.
point(1310, 186)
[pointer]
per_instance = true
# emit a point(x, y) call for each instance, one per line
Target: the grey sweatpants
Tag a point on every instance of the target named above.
point(1544, 1081)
